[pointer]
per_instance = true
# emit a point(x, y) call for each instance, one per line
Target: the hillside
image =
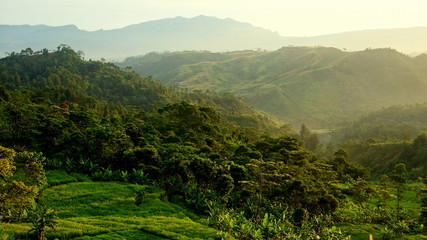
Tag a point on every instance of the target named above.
point(398, 122)
point(386, 137)
point(101, 153)
point(322, 87)
point(61, 112)
point(198, 33)
point(64, 76)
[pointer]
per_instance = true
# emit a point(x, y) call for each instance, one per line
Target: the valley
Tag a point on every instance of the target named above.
point(90, 150)
point(320, 87)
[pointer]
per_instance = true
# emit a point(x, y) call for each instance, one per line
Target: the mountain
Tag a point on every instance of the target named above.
point(321, 87)
point(64, 76)
point(172, 34)
point(198, 33)
point(410, 41)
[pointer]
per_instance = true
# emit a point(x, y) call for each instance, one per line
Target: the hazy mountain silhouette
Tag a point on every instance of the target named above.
point(411, 41)
point(198, 33)
point(173, 34)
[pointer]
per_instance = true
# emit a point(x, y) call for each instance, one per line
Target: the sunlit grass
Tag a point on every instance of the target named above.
point(106, 210)
point(132, 234)
point(56, 177)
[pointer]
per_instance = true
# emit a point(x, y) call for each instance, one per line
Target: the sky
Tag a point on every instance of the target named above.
point(288, 17)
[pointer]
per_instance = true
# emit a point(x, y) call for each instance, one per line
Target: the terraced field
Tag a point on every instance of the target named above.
point(107, 210)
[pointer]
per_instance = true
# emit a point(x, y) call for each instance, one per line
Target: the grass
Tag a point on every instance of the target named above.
point(410, 203)
point(56, 177)
point(106, 210)
point(411, 198)
point(362, 231)
point(132, 234)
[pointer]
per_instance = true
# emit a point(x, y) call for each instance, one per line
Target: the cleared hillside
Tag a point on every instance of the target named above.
point(322, 87)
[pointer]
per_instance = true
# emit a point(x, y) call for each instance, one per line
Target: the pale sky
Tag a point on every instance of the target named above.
point(288, 17)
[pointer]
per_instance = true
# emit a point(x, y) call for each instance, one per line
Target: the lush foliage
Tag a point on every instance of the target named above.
point(98, 122)
point(383, 139)
point(21, 177)
point(382, 156)
point(399, 122)
point(64, 78)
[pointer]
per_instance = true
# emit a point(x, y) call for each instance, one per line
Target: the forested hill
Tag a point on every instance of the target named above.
point(63, 76)
point(382, 139)
point(399, 122)
point(322, 87)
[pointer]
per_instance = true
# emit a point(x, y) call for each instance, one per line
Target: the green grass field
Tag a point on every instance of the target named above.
point(106, 210)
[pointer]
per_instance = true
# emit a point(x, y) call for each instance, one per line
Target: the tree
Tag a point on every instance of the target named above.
point(267, 177)
point(399, 177)
point(41, 218)
point(6, 163)
point(4, 94)
point(423, 218)
point(383, 191)
point(311, 142)
point(340, 162)
point(304, 132)
point(21, 175)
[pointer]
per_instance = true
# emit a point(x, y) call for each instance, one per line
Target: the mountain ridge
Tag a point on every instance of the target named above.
point(197, 33)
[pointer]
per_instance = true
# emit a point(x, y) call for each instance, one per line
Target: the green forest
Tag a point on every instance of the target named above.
point(89, 150)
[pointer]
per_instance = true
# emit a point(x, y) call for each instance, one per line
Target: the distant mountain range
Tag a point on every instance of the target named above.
point(198, 33)
point(321, 87)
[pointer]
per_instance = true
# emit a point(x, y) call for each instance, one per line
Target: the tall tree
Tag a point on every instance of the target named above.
point(21, 178)
point(42, 218)
point(304, 132)
point(424, 205)
point(399, 177)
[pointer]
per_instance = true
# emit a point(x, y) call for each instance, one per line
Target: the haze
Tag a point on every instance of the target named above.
point(289, 18)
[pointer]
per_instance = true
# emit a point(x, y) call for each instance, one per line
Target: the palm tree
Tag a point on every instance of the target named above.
point(41, 218)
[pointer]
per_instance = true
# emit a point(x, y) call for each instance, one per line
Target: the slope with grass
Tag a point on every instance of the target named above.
point(107, 210)
point(322, 87)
